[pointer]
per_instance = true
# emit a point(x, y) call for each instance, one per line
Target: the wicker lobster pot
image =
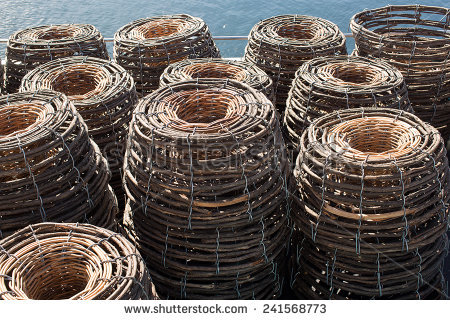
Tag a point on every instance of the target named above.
point(325, 84)
point(373, 185)
point(145, 47)
point(281, 44)
point(50, 170)
point(54, 261)
point(103, 93)
point(32, 47)
point(206, 176)
point(208, 68)
point(415, 39)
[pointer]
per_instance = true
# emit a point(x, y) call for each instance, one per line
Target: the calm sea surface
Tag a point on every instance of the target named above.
point(226, 17)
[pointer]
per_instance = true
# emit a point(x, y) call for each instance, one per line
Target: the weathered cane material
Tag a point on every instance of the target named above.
point(206, 176)
point(50, 170)
point(54, 261)
point(414, 39)
point(31, 47)
point(145, 47)
point(372, 207)
point(281, 44)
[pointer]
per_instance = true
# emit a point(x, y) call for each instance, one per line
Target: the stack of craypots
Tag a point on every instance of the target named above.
point(371, 178)
point(170, 172)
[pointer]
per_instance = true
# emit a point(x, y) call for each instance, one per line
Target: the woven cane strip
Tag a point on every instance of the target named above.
point(29, 48)
point(105, 96)
point(50, 170)
point(209, 68)
point(145, 47)
point(323, 85)
point(414, 39)
point(52, 261)
point(373, 193)
point(281, 44)
point(206, 177)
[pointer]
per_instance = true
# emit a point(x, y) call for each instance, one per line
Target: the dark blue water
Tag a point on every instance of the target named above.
point(226, 17)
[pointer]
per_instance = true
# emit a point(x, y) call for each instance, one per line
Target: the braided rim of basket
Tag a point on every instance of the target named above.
point(206, 110)
point(54, 35)
point(297, 30)
point(158, 30)
point(374, 25)
point(61, 32)
point(217, 68)
point(78, 82)
point(51, 261)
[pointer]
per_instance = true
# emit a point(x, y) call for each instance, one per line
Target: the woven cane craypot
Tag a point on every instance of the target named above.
point(29, 48)
point(281, 44)
point(325, 84)
point(55, 261)
point(373, 189)
point(414, 39)
point(210, 68)
point(103, 93)
point(50, 170)
point(206, 176)
point(145, 47)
